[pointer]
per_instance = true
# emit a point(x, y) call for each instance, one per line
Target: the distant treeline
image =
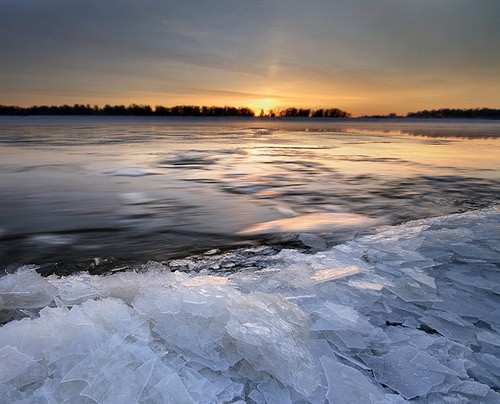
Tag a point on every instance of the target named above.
point(194, 110)
point(122, 110)
point(307, 113)
point(179, 110)
point(486, 113)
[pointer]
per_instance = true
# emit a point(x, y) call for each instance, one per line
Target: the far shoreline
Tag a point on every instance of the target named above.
point(203, 111)
point(252, 118)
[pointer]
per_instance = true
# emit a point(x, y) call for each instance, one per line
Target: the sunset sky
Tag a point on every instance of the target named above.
point(364, 56)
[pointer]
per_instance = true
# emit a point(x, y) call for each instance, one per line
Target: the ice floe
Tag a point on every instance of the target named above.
point(408, 312)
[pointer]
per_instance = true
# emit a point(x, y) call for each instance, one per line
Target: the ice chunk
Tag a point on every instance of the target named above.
point(272, 335)
point(472, 388)
point(334, 273)
point(18, 369)
point(313, 241)
point(347, 385)
point(273, 392)
point(269, 332)
point(365, 285)
point(344, 327)
point(172, 390)
point(25, 290)
point(420, 276)
point(134, 376)
point(411, 372)
point(205, 280)
point(450, 325)
point(486, 369)
point(488, 337)
point(76, 289)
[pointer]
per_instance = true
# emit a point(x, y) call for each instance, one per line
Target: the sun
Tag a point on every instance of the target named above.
point(264, 105)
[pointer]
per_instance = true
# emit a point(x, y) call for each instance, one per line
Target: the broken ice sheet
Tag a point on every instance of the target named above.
point(324, 275)
point(345, 327)
point(205, 280)
point(170, 389)
point(410, 321)
point(18, 369)
point(134, 376)
point(347, 385)
point(365, 285)
point(25, 290)
point(272, 335)
point(411, 372)
point(451, 326)
point(313, 241)
point(77, 290)
point(273, 392)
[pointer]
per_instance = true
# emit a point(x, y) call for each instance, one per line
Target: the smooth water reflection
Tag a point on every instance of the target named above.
point(131, 188)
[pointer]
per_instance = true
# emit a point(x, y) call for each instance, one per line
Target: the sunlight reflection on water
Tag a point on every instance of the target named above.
point(133, 187)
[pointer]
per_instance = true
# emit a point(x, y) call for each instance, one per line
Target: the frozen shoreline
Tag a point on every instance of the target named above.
point(410, 312)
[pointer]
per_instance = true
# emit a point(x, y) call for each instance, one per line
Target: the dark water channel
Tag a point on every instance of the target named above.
point(86, 190)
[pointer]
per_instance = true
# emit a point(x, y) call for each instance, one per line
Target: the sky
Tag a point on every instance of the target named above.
point(363, 56)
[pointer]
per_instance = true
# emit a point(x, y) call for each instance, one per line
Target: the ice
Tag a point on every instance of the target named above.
point(411, 373)
point(450, 325)
point(19, 370)
point(218, 329)
point(344, 327)
point(170, 389)
point(407, 312)
point(472, 388)
point(328, 274)
point(134, 376)
point(486, 369)
point(272, 392)
point(347, 385)
point(24, 290)
point(258, 319)
point(312, 240)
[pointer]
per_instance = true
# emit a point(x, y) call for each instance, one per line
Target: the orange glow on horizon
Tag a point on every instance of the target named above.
point(266, 105)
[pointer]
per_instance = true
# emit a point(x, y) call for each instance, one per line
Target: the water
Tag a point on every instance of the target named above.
point(134, 189)
point(288, 270)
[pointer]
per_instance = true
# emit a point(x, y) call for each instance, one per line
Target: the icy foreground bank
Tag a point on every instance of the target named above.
point(410, 312)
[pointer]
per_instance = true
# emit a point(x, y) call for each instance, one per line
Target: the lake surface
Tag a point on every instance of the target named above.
point(278, 279)
point(77, 189)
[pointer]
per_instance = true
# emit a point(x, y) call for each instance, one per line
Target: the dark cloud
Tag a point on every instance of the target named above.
point(245, 49)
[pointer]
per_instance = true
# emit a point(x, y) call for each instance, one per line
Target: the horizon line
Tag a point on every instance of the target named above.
point(194, 110)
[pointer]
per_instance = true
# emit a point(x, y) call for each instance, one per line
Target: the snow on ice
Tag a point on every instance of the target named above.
point(408, 312)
